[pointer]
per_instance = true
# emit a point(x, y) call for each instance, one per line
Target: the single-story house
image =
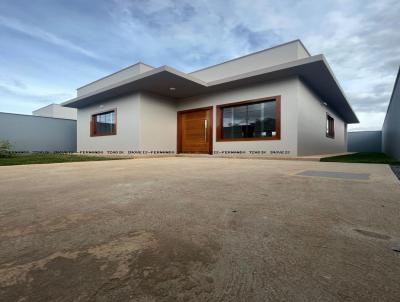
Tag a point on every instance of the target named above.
point(276, 102)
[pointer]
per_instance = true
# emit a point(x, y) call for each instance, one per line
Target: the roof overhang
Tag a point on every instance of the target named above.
point(314, 71)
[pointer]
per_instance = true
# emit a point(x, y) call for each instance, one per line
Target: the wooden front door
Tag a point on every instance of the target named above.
point(195, 131)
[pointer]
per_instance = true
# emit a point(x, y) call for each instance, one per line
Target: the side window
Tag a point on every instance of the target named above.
point(330, 126)
point(104, 123)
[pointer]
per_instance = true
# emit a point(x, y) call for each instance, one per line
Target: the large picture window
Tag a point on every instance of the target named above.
point(330, 126)
point(104, 123)
point(249, 120)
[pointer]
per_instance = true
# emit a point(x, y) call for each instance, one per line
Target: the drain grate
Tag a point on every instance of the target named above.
point(396, 171)
point(331, 174)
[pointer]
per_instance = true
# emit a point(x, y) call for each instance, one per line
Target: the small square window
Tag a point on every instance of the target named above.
point(104, 123)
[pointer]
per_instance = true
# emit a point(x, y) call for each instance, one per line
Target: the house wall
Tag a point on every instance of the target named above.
point(287, 88)
point(128, 126)
point(391, 125)
point(41, 134)
point(364, 141)
point(266, 58)
point(312, 125)
point(148, 122)
point(158, 126)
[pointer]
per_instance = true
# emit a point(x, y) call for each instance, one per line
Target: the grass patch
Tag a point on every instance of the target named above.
point(363, 157)
point(49, 158)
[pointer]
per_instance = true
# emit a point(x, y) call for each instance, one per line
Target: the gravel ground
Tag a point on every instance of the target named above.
point(198, 229)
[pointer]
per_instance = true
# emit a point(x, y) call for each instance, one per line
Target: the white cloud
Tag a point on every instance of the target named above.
point(44, 35)
point(369, 121)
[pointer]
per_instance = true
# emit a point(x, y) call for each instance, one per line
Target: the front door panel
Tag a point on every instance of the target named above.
point(195, 131)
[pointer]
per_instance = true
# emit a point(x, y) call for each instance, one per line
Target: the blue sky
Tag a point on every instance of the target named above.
point(48, 48)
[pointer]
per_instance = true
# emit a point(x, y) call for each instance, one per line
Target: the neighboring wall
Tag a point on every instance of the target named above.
point(34, 133)
point(128, 126)
point(364, 141)
point(287, 88)
point(273, 56)
point(312, 125)
point(391, 125)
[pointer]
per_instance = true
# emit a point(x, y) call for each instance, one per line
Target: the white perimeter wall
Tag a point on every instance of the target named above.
point(312, 126)
point(287, 89)
point(128, 126)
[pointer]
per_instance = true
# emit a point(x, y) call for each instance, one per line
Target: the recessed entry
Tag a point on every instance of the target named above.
point(332, 174)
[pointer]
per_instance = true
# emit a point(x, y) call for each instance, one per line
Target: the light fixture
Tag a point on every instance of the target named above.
point(172, 88)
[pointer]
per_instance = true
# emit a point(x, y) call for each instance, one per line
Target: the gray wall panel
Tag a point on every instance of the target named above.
point(34, 133)
point(391, 125)
point(312, 139)
point(364, 141)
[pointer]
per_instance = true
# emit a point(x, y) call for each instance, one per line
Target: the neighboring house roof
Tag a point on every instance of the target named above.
point(313, 70)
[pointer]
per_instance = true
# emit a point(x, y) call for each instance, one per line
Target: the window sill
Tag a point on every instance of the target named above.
point(96, 135)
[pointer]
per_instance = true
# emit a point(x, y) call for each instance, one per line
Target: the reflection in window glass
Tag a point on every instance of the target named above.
point(246, 121)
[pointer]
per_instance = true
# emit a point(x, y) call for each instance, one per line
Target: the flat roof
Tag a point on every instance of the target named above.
point(314, 71)
point(253, 53)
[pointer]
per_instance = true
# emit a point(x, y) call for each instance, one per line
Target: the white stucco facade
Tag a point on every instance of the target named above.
point(311, 127)
point(286, 89)
point(127, 137)
point(148, 123)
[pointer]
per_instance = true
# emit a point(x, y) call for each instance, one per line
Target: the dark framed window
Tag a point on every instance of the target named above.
point(330, 126)
point(104, 123)
point(249, 120)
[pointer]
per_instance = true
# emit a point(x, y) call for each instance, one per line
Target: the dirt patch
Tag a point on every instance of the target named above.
point(136, 266)
point(46, 226)
point(93, 265)
point(176, 270)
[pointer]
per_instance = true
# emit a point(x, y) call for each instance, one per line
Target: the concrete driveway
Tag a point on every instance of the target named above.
point(198, 229)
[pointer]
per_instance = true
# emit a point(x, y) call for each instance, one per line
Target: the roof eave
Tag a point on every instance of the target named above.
point(314, 70)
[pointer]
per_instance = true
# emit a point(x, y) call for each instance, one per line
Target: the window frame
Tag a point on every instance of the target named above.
point(219, 128)
point(93, 123)
point(328, 132)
